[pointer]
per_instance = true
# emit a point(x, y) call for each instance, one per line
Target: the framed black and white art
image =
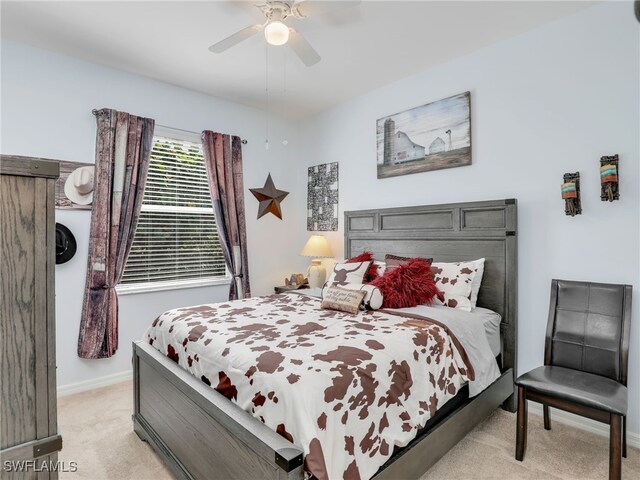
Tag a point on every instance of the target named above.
point(322, 198)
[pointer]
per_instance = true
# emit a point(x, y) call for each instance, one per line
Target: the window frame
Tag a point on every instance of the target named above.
point(148, 287)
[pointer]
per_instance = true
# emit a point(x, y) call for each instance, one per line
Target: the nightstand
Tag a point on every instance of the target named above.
point(285, 289)
point(309, 292)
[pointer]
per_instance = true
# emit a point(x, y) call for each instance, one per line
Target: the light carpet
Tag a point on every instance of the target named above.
point(98, 434)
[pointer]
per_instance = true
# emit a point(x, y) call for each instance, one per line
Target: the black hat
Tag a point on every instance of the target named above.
point(65, 244)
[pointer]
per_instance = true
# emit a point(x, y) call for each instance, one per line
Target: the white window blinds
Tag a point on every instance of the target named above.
point(177, 238)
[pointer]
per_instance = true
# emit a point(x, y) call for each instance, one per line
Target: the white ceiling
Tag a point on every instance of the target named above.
point(362, 48)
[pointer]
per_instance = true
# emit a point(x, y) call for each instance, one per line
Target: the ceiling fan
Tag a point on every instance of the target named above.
point(276, 32)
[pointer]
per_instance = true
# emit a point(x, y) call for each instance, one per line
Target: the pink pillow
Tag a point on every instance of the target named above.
point(408, 285)
point(392, 261)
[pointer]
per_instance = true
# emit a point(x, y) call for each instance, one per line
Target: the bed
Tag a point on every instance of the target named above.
point(201, 434)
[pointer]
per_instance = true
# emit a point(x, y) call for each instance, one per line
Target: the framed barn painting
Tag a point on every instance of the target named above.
point(431, 137)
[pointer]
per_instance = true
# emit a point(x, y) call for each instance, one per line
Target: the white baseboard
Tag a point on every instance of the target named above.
point(94, 383)
point(633, 439)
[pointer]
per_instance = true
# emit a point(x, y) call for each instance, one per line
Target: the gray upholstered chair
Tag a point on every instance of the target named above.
point(585, 362)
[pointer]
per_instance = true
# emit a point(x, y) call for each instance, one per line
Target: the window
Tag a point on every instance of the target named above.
point(176, 242)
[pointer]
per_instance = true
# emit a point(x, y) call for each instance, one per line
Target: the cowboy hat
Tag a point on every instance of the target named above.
point(79, 185)
point(65, 244)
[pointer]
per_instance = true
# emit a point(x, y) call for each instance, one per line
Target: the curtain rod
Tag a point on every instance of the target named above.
point(244, 142)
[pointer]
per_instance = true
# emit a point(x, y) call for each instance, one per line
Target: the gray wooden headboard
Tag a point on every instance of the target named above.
point(451, 232)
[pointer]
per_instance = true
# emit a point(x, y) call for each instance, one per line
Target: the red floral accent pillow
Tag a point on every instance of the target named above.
point(407, 285)
point(372, 272)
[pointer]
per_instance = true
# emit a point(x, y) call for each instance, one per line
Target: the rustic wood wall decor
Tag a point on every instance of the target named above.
point(609, 174)
point(269, 197)
point(571, 194)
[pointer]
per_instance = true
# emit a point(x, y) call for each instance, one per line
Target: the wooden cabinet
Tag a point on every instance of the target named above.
point(28, 424)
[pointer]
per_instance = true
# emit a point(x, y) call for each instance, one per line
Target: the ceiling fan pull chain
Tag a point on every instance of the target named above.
point(285, 142)
point(266, 81)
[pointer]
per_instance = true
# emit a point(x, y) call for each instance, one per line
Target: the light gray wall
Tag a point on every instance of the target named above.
point(550, 101)
point(46, 111)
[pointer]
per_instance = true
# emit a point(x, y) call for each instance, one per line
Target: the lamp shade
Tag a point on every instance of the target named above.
point(276, 33)
point(316, 246)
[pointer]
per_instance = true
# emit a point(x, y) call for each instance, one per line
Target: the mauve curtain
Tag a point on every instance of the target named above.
point(123, 147)
point(223, 159)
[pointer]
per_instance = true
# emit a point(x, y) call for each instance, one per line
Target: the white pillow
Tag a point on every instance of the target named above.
point(455, 280)
point(344, 273)
point(382, 267)
point(373, 296)
point(477, 280)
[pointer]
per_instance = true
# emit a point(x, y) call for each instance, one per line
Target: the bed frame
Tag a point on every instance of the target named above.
point(202, 435)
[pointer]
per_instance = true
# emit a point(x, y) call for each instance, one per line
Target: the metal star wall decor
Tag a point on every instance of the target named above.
point(269, 197)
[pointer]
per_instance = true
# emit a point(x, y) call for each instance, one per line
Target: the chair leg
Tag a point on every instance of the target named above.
point(624, 436)
point(547, 417)
point(521, 429)
point(615, 451)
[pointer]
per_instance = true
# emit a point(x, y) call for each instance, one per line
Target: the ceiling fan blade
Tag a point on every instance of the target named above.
point(235, 39)
point(302, 48)
point(312, 8)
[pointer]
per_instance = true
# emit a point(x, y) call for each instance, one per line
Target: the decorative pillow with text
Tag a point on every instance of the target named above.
point(341, 299)
point(372, 298)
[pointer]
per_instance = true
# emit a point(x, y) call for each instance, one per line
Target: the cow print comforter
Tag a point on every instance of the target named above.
point(344, 388)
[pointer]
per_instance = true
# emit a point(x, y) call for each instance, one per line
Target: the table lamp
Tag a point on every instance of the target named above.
point(316, 247)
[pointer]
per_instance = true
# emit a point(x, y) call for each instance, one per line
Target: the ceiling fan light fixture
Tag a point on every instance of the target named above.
point(276, 33)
